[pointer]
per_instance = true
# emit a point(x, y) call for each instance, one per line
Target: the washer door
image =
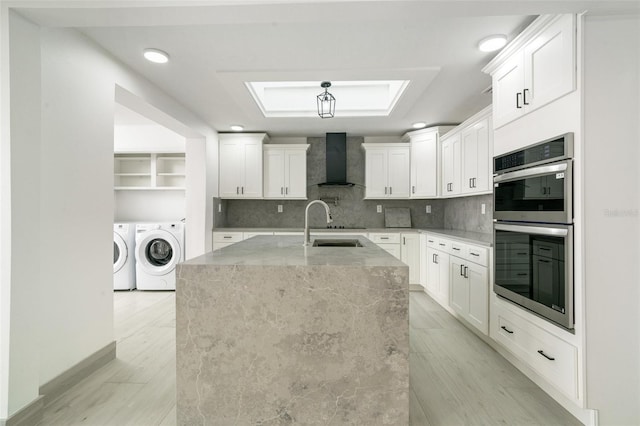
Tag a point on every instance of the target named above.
point(158, 252)
point(120, 252)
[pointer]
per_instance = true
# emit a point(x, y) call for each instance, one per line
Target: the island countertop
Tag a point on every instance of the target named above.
point(271, 332)
point(287, 250)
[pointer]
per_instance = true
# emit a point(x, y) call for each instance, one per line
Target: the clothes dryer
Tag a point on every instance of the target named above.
point(159, 248)
point(124, 264)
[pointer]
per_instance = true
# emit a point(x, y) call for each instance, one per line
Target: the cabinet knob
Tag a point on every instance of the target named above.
point(524, 97)
point(550, 358)
point(518, 95)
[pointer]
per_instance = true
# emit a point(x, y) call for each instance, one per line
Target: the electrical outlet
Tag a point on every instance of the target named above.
point(483, 209)
point(379, 208)
point(279, 208)
point(219, 208)
point(428, 209)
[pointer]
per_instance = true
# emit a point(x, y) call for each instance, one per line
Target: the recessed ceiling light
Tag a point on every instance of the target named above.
point(419, 125)
point(157, 56)
point(237, 128)
point(492, 43)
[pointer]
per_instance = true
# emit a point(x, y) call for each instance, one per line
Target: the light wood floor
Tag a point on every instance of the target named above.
point(456, 379)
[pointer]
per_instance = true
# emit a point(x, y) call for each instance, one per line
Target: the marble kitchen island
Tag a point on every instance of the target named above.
point(269, 332)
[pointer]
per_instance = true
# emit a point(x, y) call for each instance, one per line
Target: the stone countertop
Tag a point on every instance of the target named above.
point(483, 239)
point(284, 250)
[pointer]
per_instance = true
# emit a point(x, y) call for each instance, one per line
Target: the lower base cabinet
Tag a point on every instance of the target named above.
point(470, 292)
point(553, 358)
point(437, 280)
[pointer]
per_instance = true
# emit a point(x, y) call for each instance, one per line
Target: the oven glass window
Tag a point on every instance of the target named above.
point(531, 194)
point(532, 266)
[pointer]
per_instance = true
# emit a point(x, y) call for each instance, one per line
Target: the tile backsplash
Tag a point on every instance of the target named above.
point(348, 207)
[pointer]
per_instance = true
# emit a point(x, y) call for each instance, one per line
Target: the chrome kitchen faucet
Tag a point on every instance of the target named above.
point(307, 234)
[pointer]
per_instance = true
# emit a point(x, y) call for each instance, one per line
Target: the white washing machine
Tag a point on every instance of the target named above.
point(124, 263)
point(159, 248)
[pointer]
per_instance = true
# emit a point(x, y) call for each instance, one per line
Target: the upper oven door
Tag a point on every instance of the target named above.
point(537, 194)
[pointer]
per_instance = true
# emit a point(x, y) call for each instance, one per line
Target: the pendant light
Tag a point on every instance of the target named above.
point(326, 102)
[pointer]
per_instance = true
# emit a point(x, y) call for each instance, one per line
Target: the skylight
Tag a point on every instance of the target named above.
point(353, 98)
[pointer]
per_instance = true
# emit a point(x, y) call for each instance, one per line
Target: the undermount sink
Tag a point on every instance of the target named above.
point(336, 243)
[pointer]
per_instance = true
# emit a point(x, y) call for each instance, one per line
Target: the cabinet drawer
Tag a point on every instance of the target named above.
point(385, 238)
point(458, 249)
point(551, 357)
point(432, 241)
point(478, 255)
point(227, 237)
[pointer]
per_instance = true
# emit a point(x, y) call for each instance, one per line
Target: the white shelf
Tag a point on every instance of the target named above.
point(149, 171)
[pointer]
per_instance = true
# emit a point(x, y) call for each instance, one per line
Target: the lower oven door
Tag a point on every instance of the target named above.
point(533, 267)
point(536, 194)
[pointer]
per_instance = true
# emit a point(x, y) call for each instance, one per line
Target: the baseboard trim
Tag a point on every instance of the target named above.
point(416, 287)
point(56, 386)
point(28, 415)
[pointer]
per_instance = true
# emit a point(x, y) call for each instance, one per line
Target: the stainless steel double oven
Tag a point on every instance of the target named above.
point(533, 228)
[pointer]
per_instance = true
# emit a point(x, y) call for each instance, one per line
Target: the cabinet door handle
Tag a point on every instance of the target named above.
point(462, 270)
point(390, 190)
point(242, 190)
point(524, 97)
point(474, 254)
point(441, 244)
point(544, 248)
point(522, 274)
point(237, 190)
point(518, 100)
point(286, 190)
point(548, 190)
point(550, 358)
point(455, 248)
point(281, 190)
point(506, 329)
point(384, 238)
point(385, 190)
point(544, 189)
point(466, 270)
point(474, 182)
point(226, 236)
point(404, 241)
point(413, 189)
point(470, 182)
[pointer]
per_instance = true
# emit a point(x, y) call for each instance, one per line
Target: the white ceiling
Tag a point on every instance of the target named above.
point(216, 46)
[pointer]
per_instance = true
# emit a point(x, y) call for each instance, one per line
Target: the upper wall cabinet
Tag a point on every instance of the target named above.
point(538, 67)
point(466, 157)
point(241, 165)
point(386, 170)
point(285, 171)
point(424, 160)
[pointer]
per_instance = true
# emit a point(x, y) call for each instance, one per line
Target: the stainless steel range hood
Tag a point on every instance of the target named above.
point(336, 159)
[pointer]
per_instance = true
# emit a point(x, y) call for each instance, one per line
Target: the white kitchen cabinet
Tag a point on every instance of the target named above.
point(285, 171)
point(387, 170)
point(451, 164)
point(425, 160)
point(552, 357)
point(410, 254)
point(437, 282)
point(240, 165)
point(388, 241)
point(467, 153)
point(538, 68)
point(149, 171)
point(225, 239)
point(469, 285)
point(476, 157)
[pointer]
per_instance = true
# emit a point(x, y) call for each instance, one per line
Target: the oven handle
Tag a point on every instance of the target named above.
point(538, 230)
point(532, 172)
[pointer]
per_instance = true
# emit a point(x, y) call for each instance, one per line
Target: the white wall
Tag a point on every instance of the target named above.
point(25, 213)
point(612, 221)
point(149, 206)
point(5, 214)
point(146, 138)
point(71, 201)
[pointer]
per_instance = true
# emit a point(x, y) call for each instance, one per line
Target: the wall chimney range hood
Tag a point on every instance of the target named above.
point(336, 159)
